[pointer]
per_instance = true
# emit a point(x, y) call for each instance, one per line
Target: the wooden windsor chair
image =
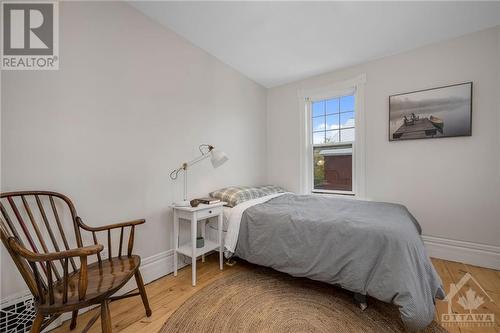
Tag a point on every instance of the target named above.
point(64, 279)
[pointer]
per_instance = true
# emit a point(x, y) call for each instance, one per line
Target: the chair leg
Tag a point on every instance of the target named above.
point(74, 314)
point(105, 317)
point(142, 290)
point(37, 323)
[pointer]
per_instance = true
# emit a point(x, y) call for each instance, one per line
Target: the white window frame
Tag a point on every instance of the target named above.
point(356, 87)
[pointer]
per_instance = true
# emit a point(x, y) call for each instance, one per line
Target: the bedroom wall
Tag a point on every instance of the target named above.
point(451, 185)
point(130, 102)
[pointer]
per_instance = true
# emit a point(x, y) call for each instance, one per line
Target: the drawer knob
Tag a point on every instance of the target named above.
point(209, 212)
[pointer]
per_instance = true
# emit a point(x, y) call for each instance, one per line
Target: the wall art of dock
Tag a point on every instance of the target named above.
point(420, 128)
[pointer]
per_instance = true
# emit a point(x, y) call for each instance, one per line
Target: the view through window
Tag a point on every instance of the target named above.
point(333, 128)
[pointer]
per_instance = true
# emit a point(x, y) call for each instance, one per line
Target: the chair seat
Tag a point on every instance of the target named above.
point(103, 279)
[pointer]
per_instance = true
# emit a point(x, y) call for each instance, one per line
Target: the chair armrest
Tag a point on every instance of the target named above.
point(36, 257)
point(44, 292)
point(110, 226)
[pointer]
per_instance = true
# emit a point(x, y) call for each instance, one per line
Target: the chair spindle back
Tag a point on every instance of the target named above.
point(35, 220)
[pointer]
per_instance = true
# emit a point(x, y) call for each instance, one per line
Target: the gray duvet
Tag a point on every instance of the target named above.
point(371, 248)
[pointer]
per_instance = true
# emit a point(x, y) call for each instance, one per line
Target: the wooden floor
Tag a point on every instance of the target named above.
point(168, 293)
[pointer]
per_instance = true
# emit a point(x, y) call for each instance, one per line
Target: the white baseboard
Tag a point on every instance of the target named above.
point(467, 252)
point(153, 268)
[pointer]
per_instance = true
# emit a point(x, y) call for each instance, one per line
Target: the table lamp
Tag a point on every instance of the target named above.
point(216, 157)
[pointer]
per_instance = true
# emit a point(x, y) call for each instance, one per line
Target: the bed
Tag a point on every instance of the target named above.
point(370, 248)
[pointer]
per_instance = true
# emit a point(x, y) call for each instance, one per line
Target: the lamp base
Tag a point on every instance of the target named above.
point(184, 203)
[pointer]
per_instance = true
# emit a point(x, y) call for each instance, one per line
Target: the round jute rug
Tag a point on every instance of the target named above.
point(268, 301)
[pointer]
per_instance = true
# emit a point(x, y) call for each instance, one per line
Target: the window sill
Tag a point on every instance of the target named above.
point(343, 194)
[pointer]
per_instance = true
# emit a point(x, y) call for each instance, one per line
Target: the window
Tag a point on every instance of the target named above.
point(333, 137)
point(332, 133)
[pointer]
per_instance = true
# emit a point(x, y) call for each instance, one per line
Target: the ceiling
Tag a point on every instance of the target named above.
point(274, 43)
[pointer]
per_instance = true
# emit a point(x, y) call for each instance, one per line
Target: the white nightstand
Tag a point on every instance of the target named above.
point(195, 214)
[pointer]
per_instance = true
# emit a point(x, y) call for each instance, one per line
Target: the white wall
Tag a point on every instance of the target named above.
point(451, 185)
point(130, 102)
point(132, 99)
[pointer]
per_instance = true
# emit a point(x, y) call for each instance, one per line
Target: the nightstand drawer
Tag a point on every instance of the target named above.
point(209, 212)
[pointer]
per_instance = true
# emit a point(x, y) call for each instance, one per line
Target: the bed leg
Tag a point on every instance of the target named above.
point(360, 300)
point(231, 262)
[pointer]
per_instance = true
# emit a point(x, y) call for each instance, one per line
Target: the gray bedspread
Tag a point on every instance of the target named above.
point(372, 248)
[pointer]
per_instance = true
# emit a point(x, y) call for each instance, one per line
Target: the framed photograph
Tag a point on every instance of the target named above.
point(432, 113)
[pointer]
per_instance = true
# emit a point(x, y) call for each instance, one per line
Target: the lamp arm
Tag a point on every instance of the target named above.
point(206, 151)
point(196, 160)
point(185, 165)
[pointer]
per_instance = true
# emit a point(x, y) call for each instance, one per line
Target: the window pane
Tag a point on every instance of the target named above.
point(332, 136)
point(318, 108)
point(332, 168)
point(319, 124)
point(332, 106)
point(318, 167)
point(318, 138)
point(347, 119)
point(347, 103)
point(332, 122)
point(347, 135)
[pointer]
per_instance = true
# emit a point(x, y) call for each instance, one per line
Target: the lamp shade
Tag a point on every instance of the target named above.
point(218, 158)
